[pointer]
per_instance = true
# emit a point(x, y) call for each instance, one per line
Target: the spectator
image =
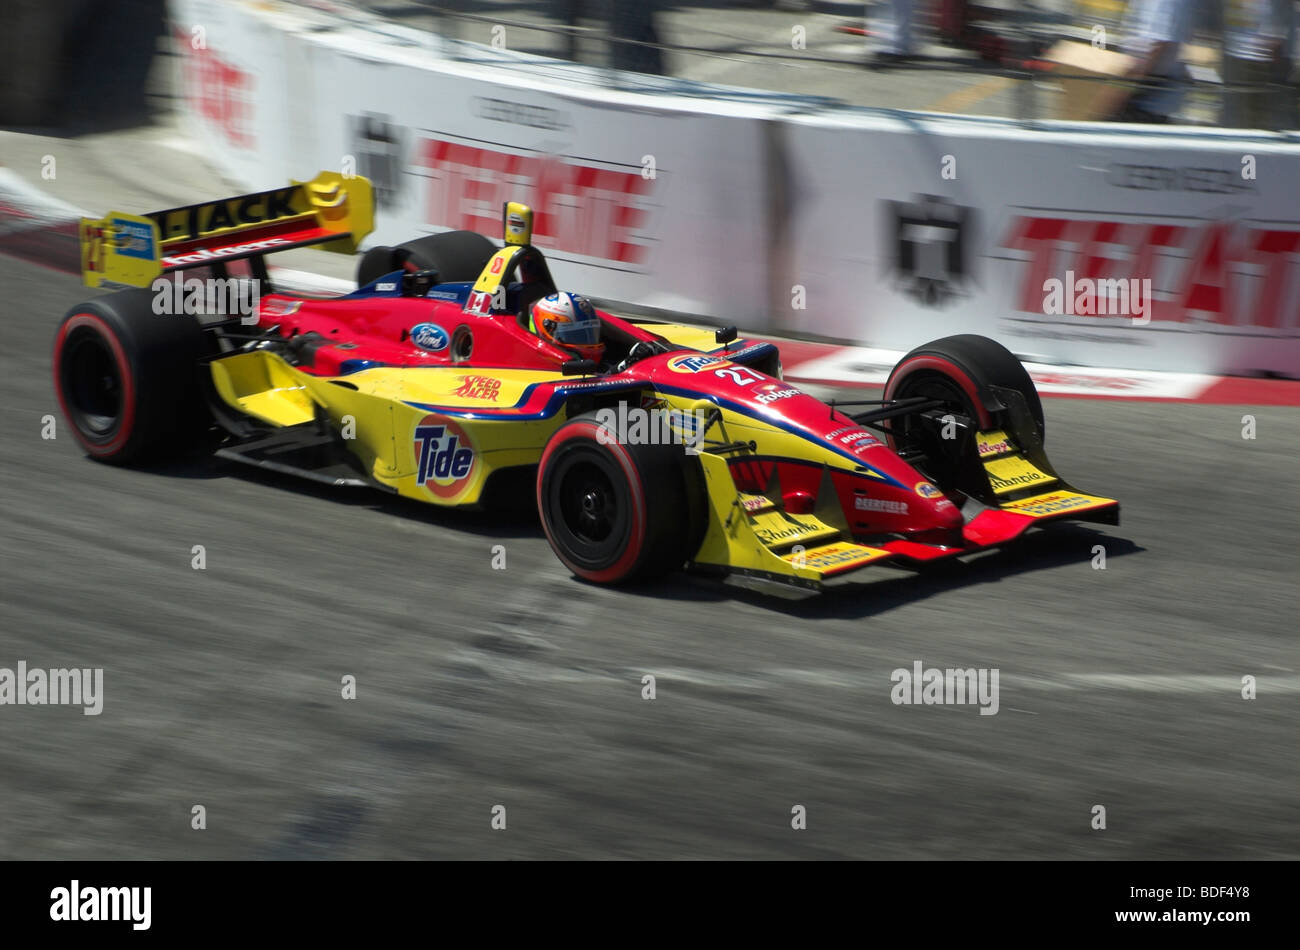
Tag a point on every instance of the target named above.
point(1155, 30)
point(1258, 45)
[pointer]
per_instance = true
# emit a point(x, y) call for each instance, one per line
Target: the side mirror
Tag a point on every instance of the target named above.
point(517, 223)
point(726, 335)
point(578, 367)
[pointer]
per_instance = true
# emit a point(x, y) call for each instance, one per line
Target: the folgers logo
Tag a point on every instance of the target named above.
point(773, 392)
point(444, 456)
point(694, 362)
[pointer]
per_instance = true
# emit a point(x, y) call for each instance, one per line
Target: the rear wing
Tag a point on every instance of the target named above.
point(332, 210)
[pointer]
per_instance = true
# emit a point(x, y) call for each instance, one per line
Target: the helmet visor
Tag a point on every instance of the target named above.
point(578, 332)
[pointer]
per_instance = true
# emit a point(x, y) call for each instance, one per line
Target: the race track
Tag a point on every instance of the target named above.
point(523, 687)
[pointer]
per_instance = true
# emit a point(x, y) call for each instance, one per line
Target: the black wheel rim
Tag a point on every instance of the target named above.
point(931, 386)
point(92, 384)
point(587, 506)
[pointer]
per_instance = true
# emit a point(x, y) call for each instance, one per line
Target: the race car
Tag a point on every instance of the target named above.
point(661, 447)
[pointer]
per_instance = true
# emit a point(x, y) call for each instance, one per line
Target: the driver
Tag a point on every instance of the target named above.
point(570, 321)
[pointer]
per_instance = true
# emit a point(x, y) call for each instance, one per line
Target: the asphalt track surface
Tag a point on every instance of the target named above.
point(523, 688)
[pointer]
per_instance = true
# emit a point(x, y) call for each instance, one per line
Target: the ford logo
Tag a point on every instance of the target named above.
point(429, 336)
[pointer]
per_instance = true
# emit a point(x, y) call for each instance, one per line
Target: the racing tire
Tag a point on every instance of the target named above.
point(960, 370)
point(456, 256)
point(615, 512)
point(129, 380)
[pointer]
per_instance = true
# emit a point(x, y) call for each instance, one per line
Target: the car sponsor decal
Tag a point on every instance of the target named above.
point(280, 308)
point(926, 490)
point(211, 253)
point(132, 239)
point(478, 387)
point(857, 439)
point(993, 442)
point(1008, 474)
point(773, 392)
point(445, 458)
point(694, 362)
point(585, 207)
point(1055, 503)
point(836, 557)
point(429, 336)
point(886, 505)
point(782, 530)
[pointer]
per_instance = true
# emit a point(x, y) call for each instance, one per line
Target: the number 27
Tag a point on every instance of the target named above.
point(738, 375)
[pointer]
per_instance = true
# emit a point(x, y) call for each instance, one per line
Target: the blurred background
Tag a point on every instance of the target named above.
point(1233, 61)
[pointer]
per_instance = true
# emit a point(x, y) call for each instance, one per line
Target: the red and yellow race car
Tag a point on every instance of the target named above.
point(659, 447)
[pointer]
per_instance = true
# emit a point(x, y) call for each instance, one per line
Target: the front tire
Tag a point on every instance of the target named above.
point(962, 371)
point(128, 379)
point(616, 512)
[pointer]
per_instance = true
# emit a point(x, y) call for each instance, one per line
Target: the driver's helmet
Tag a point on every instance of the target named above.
point(570, 321)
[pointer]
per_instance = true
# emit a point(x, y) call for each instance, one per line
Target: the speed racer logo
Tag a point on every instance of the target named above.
point(478, 387)
point(445, 458)
point(694, 362)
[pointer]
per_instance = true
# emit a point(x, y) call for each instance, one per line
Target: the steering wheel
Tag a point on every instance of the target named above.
point(418, 283)
point(640, 350)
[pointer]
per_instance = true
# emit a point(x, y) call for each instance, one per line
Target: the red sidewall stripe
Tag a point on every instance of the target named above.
point(947, 368)
point(127, 417)
point(587, 430)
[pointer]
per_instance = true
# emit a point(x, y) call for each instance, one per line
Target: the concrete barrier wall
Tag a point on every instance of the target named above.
point(886, 229)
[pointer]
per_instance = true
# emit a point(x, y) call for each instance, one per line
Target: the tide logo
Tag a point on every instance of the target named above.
point(695, 362)
point(444, 456)
point(926, 490)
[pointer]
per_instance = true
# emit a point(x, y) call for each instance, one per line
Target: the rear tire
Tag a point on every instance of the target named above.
point(616, 512)
point(961, 370)
point(456, 255)
point(128, 379)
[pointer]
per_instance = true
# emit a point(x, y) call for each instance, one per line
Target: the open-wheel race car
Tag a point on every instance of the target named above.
point(649, 446)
